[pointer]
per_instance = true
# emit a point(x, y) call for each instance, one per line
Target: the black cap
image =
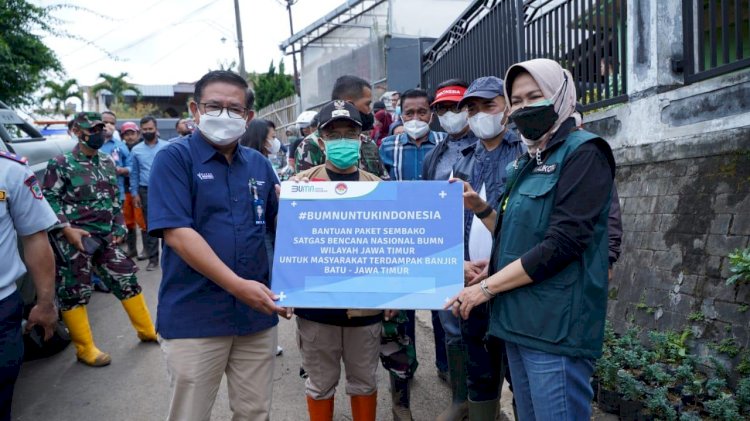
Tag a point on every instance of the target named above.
point(338, 110)
point(378, 105)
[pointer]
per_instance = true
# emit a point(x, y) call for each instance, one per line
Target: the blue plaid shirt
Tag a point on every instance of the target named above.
point(403, 158)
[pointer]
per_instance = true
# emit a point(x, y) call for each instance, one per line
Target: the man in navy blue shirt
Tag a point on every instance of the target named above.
point(212, 201)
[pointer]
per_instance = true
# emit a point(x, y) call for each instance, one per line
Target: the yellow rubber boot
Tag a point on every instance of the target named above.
point(77, 321)
point(140, 318)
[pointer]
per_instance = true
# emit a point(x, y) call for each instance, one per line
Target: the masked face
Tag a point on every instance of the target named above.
point(221, 130)
point(537, 119)
point(486, 126)
point(149, 136)
point(343, 153)
point(416, 128)
point(92, 140)
point(368, 120)
point(275, 146)
point(453, 123)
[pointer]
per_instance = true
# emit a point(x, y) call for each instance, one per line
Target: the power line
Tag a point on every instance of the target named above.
point(151, 35)
point(115, 28)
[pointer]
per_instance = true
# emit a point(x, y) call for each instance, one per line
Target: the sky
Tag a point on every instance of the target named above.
point(170, 41)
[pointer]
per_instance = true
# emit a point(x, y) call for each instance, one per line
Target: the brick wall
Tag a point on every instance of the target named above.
point(681, 218)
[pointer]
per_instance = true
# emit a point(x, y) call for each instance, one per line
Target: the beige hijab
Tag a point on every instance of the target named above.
point(550, 77)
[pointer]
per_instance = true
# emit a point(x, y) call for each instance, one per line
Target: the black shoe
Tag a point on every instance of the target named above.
point(100, 287)
point(142, 257)
point(442, 375)
point(152, 266)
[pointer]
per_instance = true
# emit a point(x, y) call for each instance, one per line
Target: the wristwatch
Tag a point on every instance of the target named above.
point(484, 213)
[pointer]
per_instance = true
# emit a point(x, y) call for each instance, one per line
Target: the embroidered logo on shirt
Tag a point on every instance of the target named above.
point(33, 184)
point(205, 176)
point(3, 195)
point(545, 169)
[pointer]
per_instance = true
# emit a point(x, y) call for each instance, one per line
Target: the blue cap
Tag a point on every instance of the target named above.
point(486, 87)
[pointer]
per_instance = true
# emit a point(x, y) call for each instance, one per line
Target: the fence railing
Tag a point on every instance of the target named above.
point(282, 112)
point(716, 37)
point(587, 37)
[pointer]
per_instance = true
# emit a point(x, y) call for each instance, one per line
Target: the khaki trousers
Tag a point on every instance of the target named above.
point(196, 366)
point(324, 346)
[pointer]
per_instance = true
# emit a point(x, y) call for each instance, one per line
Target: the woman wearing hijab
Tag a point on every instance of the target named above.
point(383, 122)
point(547, 275)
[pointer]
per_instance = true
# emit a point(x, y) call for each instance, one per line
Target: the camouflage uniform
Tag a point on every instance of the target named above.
point(83, 193)
point(398, 353)
point(309, 155)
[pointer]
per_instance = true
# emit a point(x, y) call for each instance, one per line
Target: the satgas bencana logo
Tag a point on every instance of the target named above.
point(341, 188)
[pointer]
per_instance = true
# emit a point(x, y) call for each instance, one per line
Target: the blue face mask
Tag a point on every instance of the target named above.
point(398, 110)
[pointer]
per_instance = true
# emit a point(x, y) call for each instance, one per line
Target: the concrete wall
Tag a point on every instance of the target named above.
point(683, 155)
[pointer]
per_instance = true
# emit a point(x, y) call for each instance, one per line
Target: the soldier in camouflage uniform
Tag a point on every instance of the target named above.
point(311, 152)
point(81, 187)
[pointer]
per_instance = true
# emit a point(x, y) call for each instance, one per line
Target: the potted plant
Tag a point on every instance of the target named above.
point(723, 408)
point(633, 391)
point(659, 405)
point(607, 396)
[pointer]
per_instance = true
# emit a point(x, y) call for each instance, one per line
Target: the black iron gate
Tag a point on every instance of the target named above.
point(588, 37)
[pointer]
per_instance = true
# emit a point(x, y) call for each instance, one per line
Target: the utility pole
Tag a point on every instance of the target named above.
point(243, 73)
point(289, 4)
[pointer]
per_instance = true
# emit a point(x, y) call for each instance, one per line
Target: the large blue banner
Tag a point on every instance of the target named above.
point(369, 245)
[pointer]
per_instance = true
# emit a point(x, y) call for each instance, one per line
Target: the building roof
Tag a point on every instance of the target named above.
point(166, 91)
point(340, 15)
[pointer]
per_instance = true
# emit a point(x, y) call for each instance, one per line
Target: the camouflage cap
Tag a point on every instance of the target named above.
point(88, 119)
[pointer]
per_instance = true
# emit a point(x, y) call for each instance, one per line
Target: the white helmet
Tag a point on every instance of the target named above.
point(305, 119)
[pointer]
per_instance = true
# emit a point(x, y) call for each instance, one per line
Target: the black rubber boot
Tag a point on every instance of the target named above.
point(400, 399)
point(130, 241)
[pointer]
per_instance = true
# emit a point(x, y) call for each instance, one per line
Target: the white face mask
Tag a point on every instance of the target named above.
point(221, 130)
point(486, 126)
point(453, 123)
point(416, 128)
point(275, 146)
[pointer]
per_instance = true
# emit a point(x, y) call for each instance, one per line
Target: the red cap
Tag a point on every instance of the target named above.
point(449, 93)
point(129, 125)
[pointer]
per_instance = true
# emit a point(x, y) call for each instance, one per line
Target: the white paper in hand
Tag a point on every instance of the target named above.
point(480, 238)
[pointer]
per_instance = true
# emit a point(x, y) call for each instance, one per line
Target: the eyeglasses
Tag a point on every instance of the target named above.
point(215, 110)
point(443, 107)
point(340, 136)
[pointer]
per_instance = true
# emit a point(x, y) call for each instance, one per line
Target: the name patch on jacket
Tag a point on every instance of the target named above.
point(545, 169)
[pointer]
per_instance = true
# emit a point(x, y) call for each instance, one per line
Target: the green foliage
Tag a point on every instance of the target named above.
point(719, 368)
point(727, 346)
point(689, 416)
point(739, 265)
point(697, 316)
point(272, 86)
point(723, 408)
point(743, 394)
point(744, 365)
point(659, 404)
point(743, 308)
point(631, 388)
point(715, 387)
point(59, 93)
point(606, 371)
point(24, 59)
point(116, 85)
point(655, 375)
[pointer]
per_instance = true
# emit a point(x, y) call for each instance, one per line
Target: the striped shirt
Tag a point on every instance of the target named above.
point(403, 158)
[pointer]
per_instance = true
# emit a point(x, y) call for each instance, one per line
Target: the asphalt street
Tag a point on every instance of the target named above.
point(136, 387)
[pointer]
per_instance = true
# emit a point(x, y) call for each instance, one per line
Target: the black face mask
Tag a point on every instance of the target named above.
point(94, 141)
point(534, 121)
point(149, 136)
point(368, 121)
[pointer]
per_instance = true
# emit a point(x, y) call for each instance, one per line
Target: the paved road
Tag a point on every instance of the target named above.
point(135, 385)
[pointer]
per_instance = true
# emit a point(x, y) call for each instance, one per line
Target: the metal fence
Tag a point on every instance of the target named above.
point(588, 37)
point(282, 112)
point(717, 37)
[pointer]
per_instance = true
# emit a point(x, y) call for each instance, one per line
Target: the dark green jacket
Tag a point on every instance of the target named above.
point(563, 314)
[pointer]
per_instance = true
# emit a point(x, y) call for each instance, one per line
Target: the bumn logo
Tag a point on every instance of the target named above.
point(341, 188)
point(303, 189)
